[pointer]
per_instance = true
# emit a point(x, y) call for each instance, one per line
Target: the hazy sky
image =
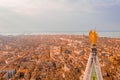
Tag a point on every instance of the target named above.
point(59, 15)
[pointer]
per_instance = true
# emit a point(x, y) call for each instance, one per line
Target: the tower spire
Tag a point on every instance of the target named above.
point(93, 70)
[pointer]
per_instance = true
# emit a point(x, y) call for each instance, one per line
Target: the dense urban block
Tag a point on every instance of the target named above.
point(55, 57)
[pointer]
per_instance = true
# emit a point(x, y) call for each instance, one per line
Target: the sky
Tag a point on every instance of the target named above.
point(22, 16)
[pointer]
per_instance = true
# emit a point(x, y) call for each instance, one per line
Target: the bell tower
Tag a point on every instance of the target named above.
point(93, 70)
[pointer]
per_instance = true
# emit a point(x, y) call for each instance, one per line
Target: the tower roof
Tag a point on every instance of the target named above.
point(93, 70)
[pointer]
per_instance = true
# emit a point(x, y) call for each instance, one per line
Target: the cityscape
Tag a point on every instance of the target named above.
point(55, 57)
point(59, 39)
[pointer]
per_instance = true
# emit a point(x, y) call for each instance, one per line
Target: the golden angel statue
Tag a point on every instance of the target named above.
point(93, 37)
